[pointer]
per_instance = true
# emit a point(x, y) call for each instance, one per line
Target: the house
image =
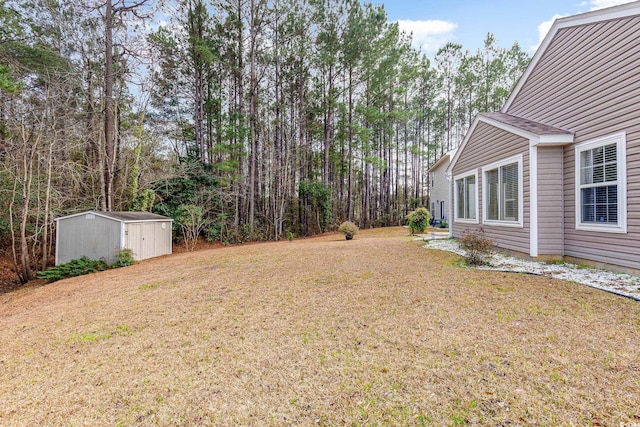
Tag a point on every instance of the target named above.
point(101, 235)
point(556, 173)
point(439, 187)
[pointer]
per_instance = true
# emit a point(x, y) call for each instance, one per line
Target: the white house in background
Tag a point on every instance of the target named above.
point(101, 235)
point(556, 173)
point(439, 188)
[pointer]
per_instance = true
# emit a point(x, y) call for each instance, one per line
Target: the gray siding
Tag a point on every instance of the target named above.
point(550, 230)
point(487, 145)
point(588, 82)
point(97, 238)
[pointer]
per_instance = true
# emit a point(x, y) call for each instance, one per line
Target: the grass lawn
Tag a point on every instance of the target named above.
point(323, 331)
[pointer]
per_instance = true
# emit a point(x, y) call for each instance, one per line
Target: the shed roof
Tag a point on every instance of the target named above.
point(123, 216)
point(134, 216)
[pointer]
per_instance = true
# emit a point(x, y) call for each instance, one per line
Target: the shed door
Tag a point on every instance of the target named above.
point(148, 240)
point(141, 239)
point(134, 240)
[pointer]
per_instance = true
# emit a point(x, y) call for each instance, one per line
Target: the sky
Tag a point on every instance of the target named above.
point(467, 22)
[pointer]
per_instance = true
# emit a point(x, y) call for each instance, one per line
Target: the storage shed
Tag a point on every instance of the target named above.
point(101, 235)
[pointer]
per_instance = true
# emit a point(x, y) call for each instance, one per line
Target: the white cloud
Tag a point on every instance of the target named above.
point(545, 26)
point(543, 29)
point(430, 35)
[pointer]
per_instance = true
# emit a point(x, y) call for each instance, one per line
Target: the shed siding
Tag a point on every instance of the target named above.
point(588, 82)
point(550, 188)
point(439, 191)
point(163, 238)
point(487, 145)
point(97, 238)
point(148, 239)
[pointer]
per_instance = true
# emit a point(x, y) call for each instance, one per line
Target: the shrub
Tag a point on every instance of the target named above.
point(191, 220)
point(418, 220)
point(443, 224)
point(76, 267)
point(124, 258)
point(349, 229)
point(477, 246)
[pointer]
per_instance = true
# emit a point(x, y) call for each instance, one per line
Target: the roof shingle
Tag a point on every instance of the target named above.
point(526, 125)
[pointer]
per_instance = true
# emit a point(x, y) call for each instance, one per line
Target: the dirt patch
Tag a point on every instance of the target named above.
point(8, 278)
point(373, 331)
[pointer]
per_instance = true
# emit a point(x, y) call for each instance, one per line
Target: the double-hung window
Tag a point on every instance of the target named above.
point(503, 192)
point(601, 185)
point(466, 197)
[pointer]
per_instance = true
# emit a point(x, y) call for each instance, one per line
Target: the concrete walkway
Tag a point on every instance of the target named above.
point(433, 235)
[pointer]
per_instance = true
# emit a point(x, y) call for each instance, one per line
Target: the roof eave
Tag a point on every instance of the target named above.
point(107, 216)
point(553, 140)
point(439, 162)
point(542, 140)
point(126, 221)
point(535, 139)
point(80, 214)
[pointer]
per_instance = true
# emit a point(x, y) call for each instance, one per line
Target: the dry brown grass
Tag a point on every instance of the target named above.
point(373, 331)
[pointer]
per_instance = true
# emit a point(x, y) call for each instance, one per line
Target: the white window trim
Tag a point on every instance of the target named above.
point(496, 165)
point(474, 173)
point(620, 139)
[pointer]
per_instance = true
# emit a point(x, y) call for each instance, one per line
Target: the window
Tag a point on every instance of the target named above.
point(503, 192)
point(601, 185)
point(466, 196)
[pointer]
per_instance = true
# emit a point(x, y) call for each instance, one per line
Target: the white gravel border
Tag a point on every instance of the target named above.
point(617, 283)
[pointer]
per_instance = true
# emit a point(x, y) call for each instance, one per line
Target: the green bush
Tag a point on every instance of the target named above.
point(124, 258)
point(191, 220)
point(418, 220)
point(144, 201)
point(76, 267)
point(477, 246)
point(349, 229)
point(317, 196)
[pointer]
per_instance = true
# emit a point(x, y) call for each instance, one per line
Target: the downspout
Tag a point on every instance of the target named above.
point(562, 211)
point(533, 199)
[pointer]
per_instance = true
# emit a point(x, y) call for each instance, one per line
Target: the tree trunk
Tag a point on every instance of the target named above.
point(350, 149)
point(327, 127)
point(47, 207)
point(109, 111)
point(253, 116)
point(29, 151)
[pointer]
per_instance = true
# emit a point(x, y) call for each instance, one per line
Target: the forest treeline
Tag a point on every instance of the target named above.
point(249, 119)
